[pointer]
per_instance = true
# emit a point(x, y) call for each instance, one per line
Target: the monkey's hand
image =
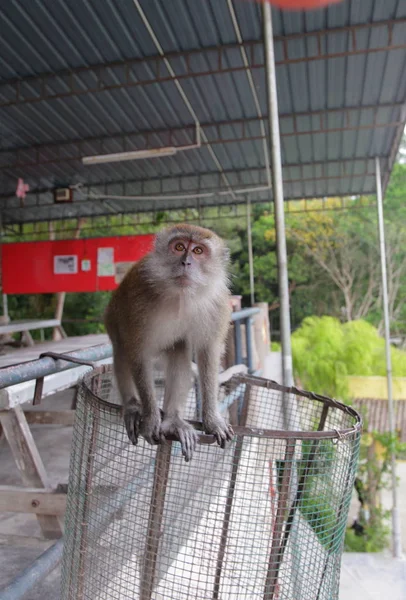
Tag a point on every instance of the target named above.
point(216, 425)
point(132, 419)
point(150, 426)
point(183, 431)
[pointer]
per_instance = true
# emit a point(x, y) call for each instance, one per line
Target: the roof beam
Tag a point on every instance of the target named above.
point(186, 65)
point(19, 215)
point(217, 133)
point(209, 182)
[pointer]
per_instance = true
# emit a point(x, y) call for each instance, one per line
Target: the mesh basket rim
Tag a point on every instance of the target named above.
point(253, 380)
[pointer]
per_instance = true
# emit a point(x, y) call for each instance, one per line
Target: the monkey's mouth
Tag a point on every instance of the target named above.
point(184, 280)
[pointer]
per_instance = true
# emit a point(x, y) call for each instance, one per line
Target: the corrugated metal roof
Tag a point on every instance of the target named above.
point(82, 78)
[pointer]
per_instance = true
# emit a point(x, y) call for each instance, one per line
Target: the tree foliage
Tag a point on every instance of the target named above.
point(325, 351)
point(333, 258)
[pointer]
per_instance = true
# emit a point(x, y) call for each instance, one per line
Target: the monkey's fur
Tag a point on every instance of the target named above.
point(171, 303)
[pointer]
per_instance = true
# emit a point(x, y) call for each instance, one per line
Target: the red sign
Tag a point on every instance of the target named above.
point(87, 265)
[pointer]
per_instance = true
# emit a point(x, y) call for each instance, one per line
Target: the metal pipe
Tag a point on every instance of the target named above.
point(37, 570)
point(248, 342)
point(250, 255)
point(396, 529)
point(278, 198)
point(5, 306)
point(42, 367)
point(240, 315)
point(237, 342)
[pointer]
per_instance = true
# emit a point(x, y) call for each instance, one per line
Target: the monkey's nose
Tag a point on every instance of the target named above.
point(186, 263)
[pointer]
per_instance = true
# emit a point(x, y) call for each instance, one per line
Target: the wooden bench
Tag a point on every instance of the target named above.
point(38, 497)
point(26, 325)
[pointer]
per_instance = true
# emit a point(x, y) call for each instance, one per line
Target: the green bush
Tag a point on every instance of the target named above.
point(326, 351)
point(373, 539)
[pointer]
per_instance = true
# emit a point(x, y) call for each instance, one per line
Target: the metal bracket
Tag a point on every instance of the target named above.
point(39, 384)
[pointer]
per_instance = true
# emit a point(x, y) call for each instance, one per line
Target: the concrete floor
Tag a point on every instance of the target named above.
point(363, 577)
point(372, 577)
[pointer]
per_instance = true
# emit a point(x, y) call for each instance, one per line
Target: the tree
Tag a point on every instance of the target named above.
point(343, 246)
point(265, 269)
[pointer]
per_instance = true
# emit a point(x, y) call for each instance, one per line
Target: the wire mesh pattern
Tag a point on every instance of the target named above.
point(264, 518)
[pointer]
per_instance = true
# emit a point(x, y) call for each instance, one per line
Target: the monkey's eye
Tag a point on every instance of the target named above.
point(198, 250)
point(179, 247)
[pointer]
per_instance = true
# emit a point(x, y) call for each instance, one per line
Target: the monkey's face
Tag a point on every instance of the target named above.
point(189, 261)
point(188, 257)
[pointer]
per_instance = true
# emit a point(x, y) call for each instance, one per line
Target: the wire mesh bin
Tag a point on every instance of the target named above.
point(264, 518)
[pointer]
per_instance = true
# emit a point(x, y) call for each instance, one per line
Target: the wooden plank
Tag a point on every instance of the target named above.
point(28, 325)
point(39, 501)
point(19, 355)
point(9, 539)
point(28, 462)
point(27, 339)
point(50, 417)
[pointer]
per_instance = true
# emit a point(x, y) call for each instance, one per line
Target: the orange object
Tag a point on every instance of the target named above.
point(300, 4)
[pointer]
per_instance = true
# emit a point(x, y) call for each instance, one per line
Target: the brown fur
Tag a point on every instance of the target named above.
point(150, 315)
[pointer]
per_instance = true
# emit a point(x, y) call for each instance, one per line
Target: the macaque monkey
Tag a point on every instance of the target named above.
point(172, 303)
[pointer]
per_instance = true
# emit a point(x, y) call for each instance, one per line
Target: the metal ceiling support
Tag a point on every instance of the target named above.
point(175, 79)
point(253, 90)
point(69, 151)
point(19, 216)
point(22, 92)
point(395, 147)
point(190, 185)
point(396, 528)
point(277, 181)
point(250, 253)
point(152, 70)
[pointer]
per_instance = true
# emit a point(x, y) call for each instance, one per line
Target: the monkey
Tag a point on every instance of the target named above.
point(173, 304)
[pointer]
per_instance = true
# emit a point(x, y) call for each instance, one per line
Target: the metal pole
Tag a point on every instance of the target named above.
point(277, 183)
point(41, 566)
point(5, 299)
point(20, 372)
point(396, 531)
point(250, 255)
point(289, 411)
point(5, 306)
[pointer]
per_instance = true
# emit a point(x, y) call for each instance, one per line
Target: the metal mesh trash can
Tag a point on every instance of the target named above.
point(264, 518)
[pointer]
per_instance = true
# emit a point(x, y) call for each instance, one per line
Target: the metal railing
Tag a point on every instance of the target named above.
point(239, 318)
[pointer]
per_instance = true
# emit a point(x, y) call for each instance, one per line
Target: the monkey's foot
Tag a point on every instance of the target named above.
point(217, 426)
point(183, 431)
point(150, 427)
point(132, 419)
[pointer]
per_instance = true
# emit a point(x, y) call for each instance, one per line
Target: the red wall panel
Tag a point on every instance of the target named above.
point(28, 267)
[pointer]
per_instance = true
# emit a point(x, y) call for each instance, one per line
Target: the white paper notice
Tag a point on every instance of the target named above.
point(105, 262)
point(65, 264)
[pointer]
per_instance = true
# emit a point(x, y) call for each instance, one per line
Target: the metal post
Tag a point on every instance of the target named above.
point(249, 324)
point(250, 255)
point(278, 198)
point(396, 531)
point(289, 412)
point(5, 306)
point(34, 573)
point(237, 342)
